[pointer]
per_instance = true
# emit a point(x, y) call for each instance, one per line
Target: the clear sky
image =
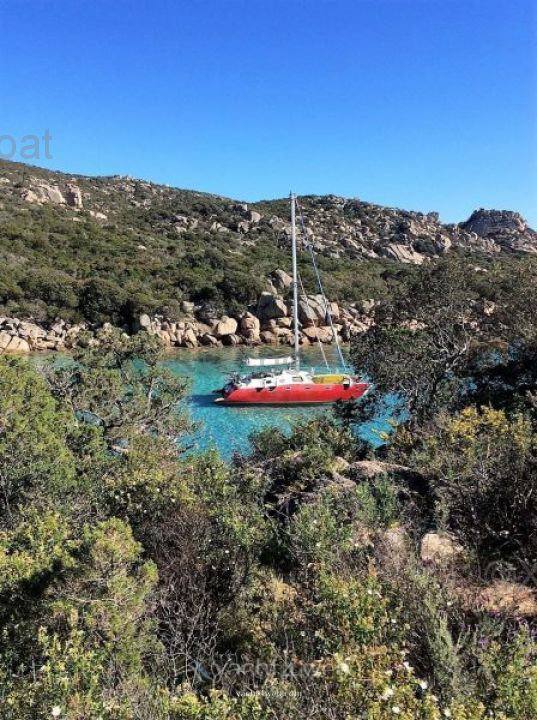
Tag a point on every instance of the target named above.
point(421, 104)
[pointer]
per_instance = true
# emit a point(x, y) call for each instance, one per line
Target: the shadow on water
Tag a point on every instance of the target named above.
point(202, 400)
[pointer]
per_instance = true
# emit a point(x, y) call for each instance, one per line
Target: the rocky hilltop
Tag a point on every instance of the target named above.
point(79, 252)
point(335, 226)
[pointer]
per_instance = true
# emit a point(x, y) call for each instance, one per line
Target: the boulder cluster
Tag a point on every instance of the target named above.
point(23, 336)
point(498, 230)
point(42, 192)
point(349, 229)
point(270, 322)
point(340, 227)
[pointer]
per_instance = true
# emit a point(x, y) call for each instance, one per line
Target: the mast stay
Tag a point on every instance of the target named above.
point(295, 280)
point(318, 277)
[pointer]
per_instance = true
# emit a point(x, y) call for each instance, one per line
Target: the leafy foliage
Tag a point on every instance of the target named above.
point(452, 334)
point(140, 584)
point(483, 471)
point(118, 386)
point(136, 261)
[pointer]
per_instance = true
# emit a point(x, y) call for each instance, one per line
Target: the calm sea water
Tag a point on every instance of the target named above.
point(228, 429)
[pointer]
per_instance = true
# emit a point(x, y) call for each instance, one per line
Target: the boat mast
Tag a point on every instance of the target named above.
point(295, 281)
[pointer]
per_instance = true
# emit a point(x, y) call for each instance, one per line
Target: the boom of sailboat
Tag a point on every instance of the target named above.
point(292, 385)
point(268, 362)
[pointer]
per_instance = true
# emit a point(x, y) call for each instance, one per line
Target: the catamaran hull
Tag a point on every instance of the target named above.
point(304, 394)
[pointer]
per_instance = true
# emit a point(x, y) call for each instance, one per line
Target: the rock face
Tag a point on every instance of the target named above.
point(43, 193)
point(494, 222)
point(102, 217)
point(254, 217)
point(17, 345)
point(250, 327)
point(226, 326)
point(504, 228)
point(21, 337)
point(401, 253)
point(270, 307)
point(73, 196)
point(306, 313)
point(281, 279)
point(145, 322)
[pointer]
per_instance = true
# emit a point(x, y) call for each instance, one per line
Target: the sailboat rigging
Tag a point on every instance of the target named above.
point(292, 385)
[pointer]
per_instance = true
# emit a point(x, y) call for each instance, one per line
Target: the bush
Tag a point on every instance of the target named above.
point(35, 460)
point(483, 468)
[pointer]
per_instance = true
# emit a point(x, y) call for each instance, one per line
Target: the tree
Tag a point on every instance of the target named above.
point(453, 334)
point(121, 386)
point(36, 462)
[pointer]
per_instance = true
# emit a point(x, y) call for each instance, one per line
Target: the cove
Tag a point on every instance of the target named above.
point(228, 429)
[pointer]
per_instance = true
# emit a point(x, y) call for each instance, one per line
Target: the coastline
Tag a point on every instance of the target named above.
point(21, 337)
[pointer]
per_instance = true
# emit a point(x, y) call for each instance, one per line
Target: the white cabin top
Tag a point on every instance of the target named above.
point(272, 379)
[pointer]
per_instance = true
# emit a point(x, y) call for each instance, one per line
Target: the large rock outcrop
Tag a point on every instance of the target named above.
point(506, 229)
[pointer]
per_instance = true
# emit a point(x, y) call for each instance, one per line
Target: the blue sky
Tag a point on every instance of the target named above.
point(426, 105)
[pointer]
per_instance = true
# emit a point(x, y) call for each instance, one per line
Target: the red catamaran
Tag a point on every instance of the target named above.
point(293, 386)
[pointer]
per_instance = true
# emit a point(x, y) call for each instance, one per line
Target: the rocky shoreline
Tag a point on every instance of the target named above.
point(269, 323)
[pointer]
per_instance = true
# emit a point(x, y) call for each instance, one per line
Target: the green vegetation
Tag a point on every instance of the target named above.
point(138, 584)
point(461, 347)
point(57, 262)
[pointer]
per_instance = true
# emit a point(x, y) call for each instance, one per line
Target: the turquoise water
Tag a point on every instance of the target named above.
point(228, 429)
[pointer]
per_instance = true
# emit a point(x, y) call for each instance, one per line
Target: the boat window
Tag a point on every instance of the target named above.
point(297, 378)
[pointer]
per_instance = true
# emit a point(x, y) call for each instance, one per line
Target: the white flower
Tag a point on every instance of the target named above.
point(423, 685)
point(387, 693)
point(407, 666)
point(56, 711)
point(447, 712)
point(396, 709)
point(344, 668)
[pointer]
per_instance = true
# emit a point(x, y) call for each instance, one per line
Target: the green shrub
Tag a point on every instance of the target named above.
point(35, 460)
point(483, 469)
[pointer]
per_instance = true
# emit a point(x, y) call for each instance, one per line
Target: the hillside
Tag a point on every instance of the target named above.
point(111, 248)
